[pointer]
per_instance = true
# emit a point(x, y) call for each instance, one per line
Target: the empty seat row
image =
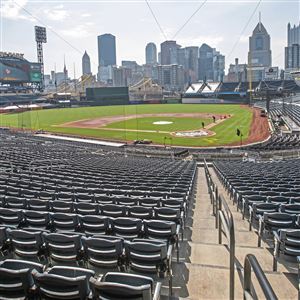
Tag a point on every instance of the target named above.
point(69, 206)
point(28, 280)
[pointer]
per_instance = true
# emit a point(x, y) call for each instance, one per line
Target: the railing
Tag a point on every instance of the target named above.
point(224, 223)
point(226, 227)
point(250, 264)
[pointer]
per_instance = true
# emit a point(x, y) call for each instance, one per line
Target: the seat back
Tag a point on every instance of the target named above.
point(161, 230)
point(10, 217)
point(114, 211)
point(128, 228)
point(119, 286)
point(293, 209)
point(52, 286)
point(168, 214)
point(290, 241)
point(25, 244)
point(61, 206)
point(92, 225)
point(146, 256)
point(62, 247)
point(15, 202)
point(64, 222)
point(279, 220)
point(16, 279)
point(140, 212)
point(102, 251)
point(36, 219)
point(38, 205)
point(85, 208)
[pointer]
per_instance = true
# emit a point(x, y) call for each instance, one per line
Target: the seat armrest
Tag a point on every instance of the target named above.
point(177, 229)
point(276, 237)
point(169, 253)
point(156, 295)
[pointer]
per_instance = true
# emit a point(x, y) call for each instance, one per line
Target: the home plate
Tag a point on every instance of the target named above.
point(162, 123)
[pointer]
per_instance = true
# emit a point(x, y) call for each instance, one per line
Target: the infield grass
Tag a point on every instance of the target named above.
point(53, 119)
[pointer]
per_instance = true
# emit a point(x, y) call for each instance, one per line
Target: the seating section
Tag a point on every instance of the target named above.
point(77, 212)
point(268, 193)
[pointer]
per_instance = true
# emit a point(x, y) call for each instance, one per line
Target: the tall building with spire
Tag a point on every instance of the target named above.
point(86, 64)
point(259, 55)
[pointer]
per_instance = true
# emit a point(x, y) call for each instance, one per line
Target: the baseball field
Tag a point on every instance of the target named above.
point(177, 124)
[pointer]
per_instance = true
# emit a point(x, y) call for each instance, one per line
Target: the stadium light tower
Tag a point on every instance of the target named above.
point(40, 38)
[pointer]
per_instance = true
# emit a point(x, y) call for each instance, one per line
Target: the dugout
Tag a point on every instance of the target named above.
point(108, 96)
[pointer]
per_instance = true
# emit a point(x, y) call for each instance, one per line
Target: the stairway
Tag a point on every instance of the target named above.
point(204, 263)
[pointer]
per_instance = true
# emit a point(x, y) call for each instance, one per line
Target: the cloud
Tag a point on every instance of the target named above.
point(86, 15)
point(78, 31)
point(58, 13)
point(244, 39)
point(13, 10)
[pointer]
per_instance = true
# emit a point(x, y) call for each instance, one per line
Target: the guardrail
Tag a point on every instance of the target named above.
point(224, 223)
point(226, 227)
point(251, 263)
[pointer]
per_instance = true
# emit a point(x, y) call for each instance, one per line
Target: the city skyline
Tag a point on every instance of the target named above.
point(130, 40)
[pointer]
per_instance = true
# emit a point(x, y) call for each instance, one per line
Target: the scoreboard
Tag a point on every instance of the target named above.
point(15, 69)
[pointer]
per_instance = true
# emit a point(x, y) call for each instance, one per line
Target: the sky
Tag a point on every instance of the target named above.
point(73, 27)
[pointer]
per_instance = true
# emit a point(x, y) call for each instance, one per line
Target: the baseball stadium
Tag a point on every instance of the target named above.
point(143, 193)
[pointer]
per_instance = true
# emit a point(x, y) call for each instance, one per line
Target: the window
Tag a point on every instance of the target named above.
point(259, 43)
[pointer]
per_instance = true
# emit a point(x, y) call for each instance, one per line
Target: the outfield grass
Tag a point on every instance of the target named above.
point(51, 120)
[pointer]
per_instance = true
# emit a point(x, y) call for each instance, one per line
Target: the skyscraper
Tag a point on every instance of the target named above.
point(292, 51)
point(107, 50)
point(86, 64)
point(169, 52)
point(106, 56)
point(205, 66)
point(151, 54)
point(260, 55)
point(211, 64)
point(293, 34)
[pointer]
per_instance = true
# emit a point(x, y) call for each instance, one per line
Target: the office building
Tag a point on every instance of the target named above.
point(106, 55)
point(170, 77)
point(237, 72)
point(168, 52)
point(211, 64)
point(86, 64)
point(292, 51)
point(259, 55)
point(151, 54)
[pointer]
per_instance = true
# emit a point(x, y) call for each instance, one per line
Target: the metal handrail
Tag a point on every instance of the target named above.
point(251, 263)
point(226, 227)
